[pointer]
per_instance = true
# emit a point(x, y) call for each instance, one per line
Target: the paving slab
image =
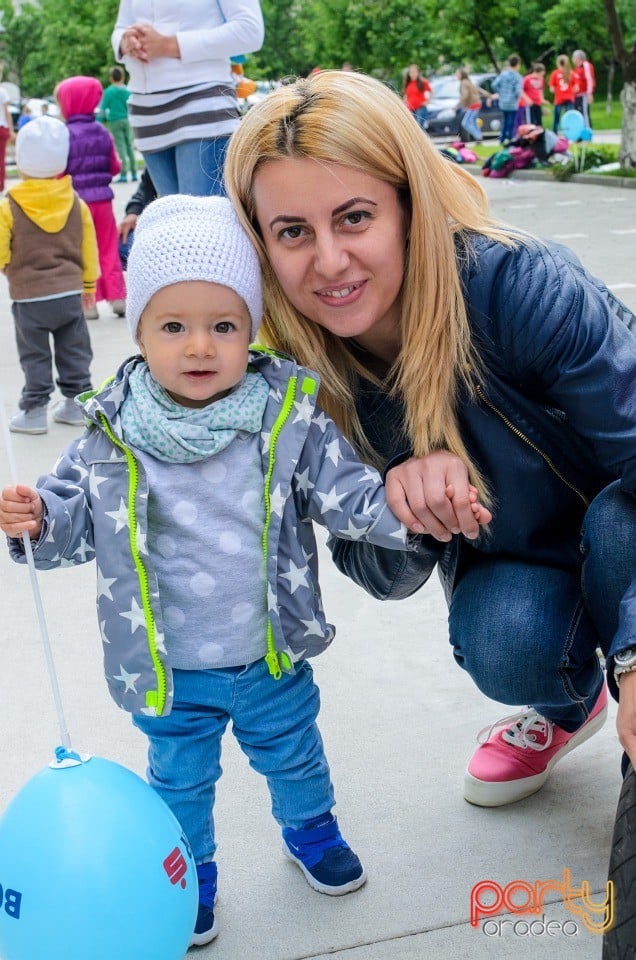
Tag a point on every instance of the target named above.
point(399, 719)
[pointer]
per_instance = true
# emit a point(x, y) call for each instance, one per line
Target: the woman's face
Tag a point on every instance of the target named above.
point(414, 72)
point(335, 238)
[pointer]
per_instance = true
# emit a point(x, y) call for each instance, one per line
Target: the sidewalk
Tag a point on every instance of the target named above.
point(399, 720)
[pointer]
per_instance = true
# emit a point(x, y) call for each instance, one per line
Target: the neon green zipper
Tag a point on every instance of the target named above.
point(154, 698)
point(273, 659)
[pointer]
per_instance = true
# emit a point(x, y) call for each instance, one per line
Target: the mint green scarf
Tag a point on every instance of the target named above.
point(153, 422)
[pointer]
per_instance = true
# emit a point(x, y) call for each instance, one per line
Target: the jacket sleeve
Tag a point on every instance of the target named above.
point(334, 488)
point(143, 195)
point(90, 255)
point(6, 232)
point(566, 340)
point(66, 537)
point(242, 32)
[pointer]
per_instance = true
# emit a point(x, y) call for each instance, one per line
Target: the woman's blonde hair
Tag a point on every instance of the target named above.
point(356, 121)
point(563, 63)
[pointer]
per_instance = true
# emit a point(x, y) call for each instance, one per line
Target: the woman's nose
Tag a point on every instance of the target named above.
point(331, 256)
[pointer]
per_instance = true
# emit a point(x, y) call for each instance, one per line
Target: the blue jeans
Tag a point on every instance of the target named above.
point(560, 108)
point(195, 168)
point(470, 125)
point(421, 115)
point(274, 722)
point(508, 125)
point(528, 634)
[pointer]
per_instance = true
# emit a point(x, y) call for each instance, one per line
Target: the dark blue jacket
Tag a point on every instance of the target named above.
point(552, 420)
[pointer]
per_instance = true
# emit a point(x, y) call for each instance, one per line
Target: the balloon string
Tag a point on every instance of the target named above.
point(44, 633)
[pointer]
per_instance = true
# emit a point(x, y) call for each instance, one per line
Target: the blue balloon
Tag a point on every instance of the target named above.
point(586, 134)
point(572, 122)
point(93, 864)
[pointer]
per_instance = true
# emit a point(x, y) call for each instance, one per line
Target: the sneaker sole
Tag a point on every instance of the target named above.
point(69, 422)
point(484, 793)
point(31, 430)
point(323, 887)
point(200, 939)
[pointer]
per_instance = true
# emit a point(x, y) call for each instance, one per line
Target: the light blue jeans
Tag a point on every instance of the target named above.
point(195, 168)
point(274, 722)
point(469, 123)
point(528, 634)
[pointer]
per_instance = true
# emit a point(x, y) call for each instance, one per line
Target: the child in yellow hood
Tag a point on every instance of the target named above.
point(48, 252)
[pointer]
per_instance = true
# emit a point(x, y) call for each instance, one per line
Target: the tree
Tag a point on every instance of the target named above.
point(21, 38)
point(627, 60)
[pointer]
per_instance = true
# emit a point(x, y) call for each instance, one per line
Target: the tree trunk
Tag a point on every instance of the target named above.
point(627, 152)
point(610, 84)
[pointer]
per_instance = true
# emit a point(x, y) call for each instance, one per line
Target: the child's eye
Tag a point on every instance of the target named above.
point(173, 326)
point(224, 326)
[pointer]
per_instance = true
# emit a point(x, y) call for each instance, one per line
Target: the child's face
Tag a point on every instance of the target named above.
point(195, 336)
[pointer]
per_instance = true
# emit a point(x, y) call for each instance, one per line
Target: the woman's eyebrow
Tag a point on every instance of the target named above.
point(286, 218)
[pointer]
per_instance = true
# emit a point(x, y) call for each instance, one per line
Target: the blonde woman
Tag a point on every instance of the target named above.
point(448, 341)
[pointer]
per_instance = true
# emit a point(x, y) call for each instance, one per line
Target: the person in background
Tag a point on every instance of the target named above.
point(533, 86)
point(417, 92)
point(449, 344)
point(92, 164)
point(25, 116)
point(586, 80)
point(183, 105)
point(564, 86)
point(143, 195)
point(6, 134)
point(508, 88)
point(470, 96)
point(48, 252)
point(114, 111)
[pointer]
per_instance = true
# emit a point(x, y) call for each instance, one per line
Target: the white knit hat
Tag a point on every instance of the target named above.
point(180, 238)
point(41, 148)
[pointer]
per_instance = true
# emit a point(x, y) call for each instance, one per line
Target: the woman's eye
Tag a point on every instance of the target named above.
point(291, 233)
point(356, 217)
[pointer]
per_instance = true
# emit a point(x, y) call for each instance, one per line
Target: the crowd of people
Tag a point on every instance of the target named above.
point(521, 98)
point(423, 370)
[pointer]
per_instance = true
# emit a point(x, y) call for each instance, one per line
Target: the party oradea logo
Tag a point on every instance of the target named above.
point(489, 899)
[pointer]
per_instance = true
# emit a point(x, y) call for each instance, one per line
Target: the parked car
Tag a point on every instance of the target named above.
point(443, 119)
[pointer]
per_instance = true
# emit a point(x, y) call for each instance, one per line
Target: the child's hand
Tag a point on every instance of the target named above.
point(88, 301)
point(481, 514)
point(21, 511)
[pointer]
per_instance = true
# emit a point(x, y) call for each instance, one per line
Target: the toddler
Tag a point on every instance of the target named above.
point(92, 163)
point(193, 487)
point(49, 254)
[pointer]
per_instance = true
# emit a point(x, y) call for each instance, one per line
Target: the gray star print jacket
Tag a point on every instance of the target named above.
point(96, 502)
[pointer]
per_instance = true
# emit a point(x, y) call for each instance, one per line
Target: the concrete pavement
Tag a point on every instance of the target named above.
point(399, 720)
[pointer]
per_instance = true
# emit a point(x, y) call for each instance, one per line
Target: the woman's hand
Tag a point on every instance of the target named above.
point(130, 44)
point(20, 511)
point(626, 717)
point(155, 44)
point(432, 495)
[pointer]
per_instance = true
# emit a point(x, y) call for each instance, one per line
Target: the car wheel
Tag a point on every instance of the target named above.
point(619, 943)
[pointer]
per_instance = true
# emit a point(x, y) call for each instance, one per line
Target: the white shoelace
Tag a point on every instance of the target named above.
point(522, 730)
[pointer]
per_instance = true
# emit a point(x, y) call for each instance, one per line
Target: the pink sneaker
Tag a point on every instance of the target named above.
point(517, 757)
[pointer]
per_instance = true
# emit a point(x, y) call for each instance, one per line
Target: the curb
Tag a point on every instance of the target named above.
point(596, 180)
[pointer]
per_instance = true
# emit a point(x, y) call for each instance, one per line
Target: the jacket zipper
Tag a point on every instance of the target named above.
point(273, 659)
point(142, 576)
point(527, 440)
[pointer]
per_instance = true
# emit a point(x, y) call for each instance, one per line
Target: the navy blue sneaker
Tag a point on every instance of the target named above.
point(206, 927)
point(329, 864)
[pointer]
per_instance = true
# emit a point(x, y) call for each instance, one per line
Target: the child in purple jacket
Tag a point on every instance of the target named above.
point(92, 163)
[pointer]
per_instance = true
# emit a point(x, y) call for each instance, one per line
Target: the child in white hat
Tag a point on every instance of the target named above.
point(48, 251)
point(193, 488)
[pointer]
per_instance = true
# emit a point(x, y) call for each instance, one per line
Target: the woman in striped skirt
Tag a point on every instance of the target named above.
point(183, 105)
